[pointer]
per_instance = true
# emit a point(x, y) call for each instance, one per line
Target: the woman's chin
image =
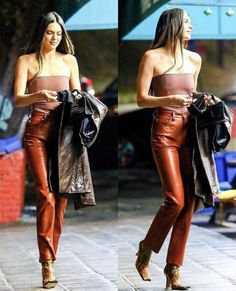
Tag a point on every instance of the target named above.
point(187, 37)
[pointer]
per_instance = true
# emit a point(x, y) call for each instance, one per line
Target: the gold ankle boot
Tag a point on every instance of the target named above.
point(173, 282)
point(144, 255)
point(49, 280)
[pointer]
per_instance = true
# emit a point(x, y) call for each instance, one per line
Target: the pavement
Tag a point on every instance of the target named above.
point(210, 262)
point(96, 241)
point(87, 256)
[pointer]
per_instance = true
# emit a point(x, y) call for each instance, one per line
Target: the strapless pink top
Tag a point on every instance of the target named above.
point(54, 83)
point(171, 84)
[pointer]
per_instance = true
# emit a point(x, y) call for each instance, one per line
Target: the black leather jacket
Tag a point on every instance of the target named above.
point(79, 122)
point(211, 132)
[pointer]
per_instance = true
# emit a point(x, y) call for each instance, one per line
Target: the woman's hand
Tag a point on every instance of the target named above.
point(48, 95)
point(208, 100)
point(182, 100)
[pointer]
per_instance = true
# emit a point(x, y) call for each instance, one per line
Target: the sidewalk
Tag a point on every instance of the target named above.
point(210, 263)
point(87, 257)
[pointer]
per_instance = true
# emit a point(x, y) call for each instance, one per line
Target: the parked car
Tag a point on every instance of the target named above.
point(134, 137)
point(109, 96)
point(87, 85)
point(134, 133)
point(103, 154)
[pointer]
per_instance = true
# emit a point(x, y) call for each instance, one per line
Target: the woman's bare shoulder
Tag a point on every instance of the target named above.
point(70, 59)
point(194, 57)
point(153, 54)
point(151, 57)
point(26, 59)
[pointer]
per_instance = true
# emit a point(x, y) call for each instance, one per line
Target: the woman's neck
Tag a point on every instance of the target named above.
point(178, 50)
point(48, 55)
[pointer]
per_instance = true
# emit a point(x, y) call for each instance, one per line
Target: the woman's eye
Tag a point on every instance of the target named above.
point(51, 32)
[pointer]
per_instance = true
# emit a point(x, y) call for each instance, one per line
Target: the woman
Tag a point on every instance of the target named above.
point(47, 67)
point(171, 71)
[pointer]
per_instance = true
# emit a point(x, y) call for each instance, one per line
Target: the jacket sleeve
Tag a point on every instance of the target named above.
point(94, 113)
point(86, 113)
point(222, 130)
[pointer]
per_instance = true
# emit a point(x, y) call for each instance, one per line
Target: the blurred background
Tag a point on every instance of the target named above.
point(92, 26)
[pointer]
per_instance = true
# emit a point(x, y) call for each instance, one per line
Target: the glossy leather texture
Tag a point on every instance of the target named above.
point(38, 142)
point(172, 152)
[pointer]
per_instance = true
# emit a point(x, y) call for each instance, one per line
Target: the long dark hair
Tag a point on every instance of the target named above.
point(36, 42)
point(169, 32)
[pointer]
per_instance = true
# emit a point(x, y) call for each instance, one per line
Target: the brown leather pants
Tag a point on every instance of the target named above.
point(172, 153)
point(38, 138)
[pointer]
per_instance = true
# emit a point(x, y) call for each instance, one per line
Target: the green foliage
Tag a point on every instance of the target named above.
point(15, 15)
point(17, 19)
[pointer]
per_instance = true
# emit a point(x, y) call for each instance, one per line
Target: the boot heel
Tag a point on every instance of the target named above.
point(173, 281)
point(168, 284)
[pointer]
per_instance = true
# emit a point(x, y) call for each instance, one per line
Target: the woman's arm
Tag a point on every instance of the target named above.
point(197, 60)
point(21, 76)
point(144, 80)
point(198, 63)
point(74, 73)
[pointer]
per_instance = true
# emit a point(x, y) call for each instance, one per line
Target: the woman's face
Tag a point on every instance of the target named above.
point(52, 36)
point(187, 27)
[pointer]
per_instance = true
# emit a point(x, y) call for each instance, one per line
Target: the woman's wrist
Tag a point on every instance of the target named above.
point(170, 100)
